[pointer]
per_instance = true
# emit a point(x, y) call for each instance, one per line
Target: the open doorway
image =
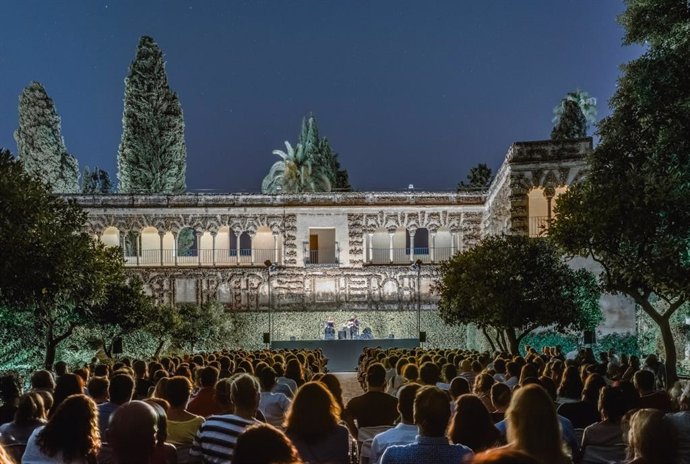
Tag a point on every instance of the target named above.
point(322, 246)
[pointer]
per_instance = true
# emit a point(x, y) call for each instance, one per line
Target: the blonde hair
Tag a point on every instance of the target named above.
point(651, 436)
point(533, 425)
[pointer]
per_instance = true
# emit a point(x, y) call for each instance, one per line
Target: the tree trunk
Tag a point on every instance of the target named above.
point(50, 353)
point(513, 341)
point(670, 351)
point(161, 344)
point(488, 338)
point(106, 350)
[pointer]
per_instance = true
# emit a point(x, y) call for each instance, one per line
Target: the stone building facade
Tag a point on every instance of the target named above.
point(306, 254)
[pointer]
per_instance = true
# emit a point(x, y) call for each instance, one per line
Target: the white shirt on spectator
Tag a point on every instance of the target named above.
point(401, 434)
point(274, 406)
point(34, 455)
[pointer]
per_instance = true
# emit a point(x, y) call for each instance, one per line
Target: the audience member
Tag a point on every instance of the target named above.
point(264, 444)
point(607, 433)
point(71, 435)
point(10, 391)
point(500, 400)
point(272, 405)
point(66, 385)
point(645, 383)
point(182, 424)
point(42, 380)
point(29, 415)
point(585, 412)
point(120, 391)
point(503, 456)
point(132, 433)
point(405, 431)
point(375, 407)
point(313, 426)
point(97, 388)
point(533, 426)
point(472, 425)
point(204, 402)
point(142, 381)
point(215, 441)
point(164, 453)
point(652, 438)
point(431, 415)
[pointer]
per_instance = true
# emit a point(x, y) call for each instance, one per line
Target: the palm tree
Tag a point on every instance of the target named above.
point(587, 104)
point(295, 173)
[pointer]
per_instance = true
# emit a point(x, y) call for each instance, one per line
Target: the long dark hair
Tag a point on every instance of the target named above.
point(30, 409)
point(472, 425)
point(72, 430)
point(313, 414)
point(67, 385)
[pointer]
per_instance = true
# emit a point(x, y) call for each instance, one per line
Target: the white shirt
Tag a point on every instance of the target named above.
point(511, 382)
point(34, 455)
point(274, 406)
point(401, 434)
point(289, 382)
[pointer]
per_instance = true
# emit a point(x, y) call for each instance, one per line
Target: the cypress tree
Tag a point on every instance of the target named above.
point(572, 123)
point(95, 181)
point(152, 155)
point(40, 144)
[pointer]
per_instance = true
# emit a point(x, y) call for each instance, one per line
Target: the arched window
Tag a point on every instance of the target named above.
point(421, 242)
point(186, 243)
point(245, 244)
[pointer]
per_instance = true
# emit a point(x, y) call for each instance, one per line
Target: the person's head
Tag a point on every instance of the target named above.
point(653, 437)
point(30, 409)
point(314, 412)
point(121, 388)
point(333, 384)
point(431, 411)
point(500, 366)
point(10, 389)
point(429, 373)
point(42, 380)
point(458, 386)
point(140, 369)
point(533, 425)
point(72, 430)
point(244, 394)
point(503, 456)
point(483, 383)
point(406, 396)
point(222, 391)
point(66, 385)
point(500, 396)
point(571, 384)
point(265, 444)
point(60, 368)
point(612, 404)
point(376, 376)
point(644, 382)
point(513, 369)
point(528, 371)
point(449, 372)
point(472, 425)
point(178, 389)
point(98, 388)
point(267, 378)
point(411, 372)
point(132, 432)
point(208, 376)
point(293, 370)
point(594, 383)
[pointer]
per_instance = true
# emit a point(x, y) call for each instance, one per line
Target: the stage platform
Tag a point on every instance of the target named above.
point(343, 354)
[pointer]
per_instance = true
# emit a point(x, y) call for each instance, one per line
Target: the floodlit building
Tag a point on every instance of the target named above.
point(297, 259)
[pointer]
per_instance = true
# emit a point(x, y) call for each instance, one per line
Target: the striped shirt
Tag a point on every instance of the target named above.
point(215, 441)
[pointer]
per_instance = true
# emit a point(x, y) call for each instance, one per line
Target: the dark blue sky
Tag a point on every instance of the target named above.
point(407, 91)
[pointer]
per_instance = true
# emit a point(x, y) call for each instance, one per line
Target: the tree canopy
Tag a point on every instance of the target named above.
point(513, 285)
point(311, 166)
point(53, 276)
point(631, 212)
point(40, 143)
point(152, 157)
point(479, 178)
point(95, 180)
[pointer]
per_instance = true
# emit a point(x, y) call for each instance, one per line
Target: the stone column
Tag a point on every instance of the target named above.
point(370, 236)
point(432, 245)
point(237, 246)
point(161, 234)
point(213, 247)
point(453, 234)
point(275, 247)
point(390, 245)
point(137, 246)
point(197, 237)
point(175, 247)
point(412, 234)
point(251, 238)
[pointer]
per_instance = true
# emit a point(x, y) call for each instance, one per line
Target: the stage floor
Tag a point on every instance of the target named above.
point(343, 354)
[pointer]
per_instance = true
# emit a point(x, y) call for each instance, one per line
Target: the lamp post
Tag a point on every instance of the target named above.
point(270, 269)
point(417, 266)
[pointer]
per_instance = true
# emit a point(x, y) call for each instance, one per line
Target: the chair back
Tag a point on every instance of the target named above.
point(365, 436)
point(603, 454)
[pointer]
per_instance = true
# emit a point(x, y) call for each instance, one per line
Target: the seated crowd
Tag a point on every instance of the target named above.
point(418, 405)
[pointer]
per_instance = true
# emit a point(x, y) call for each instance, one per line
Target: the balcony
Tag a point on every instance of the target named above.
point(402, 256)
point(204, 257)
point(539, 226)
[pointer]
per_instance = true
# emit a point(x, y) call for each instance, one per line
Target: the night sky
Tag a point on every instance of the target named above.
point(407, 91)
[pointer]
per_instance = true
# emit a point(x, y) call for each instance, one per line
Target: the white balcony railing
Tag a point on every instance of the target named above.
point(538, 226)
point(204, 257)
point(407, 255)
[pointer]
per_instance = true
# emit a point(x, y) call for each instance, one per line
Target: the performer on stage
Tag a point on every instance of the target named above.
point(329, 329)
point(353, 326)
